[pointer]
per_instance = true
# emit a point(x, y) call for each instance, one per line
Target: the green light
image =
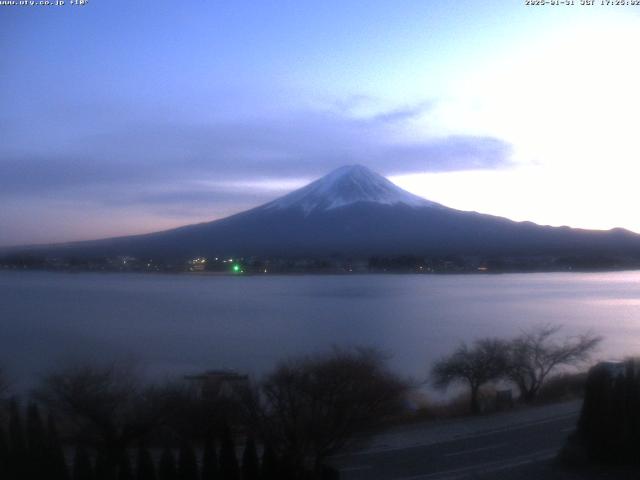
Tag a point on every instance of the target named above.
point(236, 268)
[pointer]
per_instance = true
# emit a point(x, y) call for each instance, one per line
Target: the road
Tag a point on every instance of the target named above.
point(504, 448)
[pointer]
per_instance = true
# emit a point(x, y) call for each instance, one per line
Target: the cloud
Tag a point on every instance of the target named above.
point(176, 166)
point(469, 152)
point(403, 113)
point(187, 198)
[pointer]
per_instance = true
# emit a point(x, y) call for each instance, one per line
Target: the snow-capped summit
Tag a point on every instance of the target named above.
point(347, 185)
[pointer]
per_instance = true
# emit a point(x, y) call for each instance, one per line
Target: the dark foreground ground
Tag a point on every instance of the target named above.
point(505, 447)
point(551, 470)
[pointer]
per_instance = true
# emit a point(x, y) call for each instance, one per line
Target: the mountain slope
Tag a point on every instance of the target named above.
point(354, 211)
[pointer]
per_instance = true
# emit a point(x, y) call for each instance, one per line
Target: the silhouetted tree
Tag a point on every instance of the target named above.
point(35, 429)
point(18, 458)
point(190, 415)
point(36, 443)
point(104, 469)
point(269, 464)
point(288, 468)
point(108, 404)
point(82, 467)
point(4, 384)
point(187, 462)
point(329, 473)
point(125, 471)
point(484, 361)
point(250, 463)
point(313, 406)
point(4, 454)
point(536, 353)
point(229, 469)
point(57, 464)
point(209, 460)
point(167, 466)
point(145, 468)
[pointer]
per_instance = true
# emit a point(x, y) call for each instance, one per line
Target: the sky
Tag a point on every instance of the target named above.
point(121, 117)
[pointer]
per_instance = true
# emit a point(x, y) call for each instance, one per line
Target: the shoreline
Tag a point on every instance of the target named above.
point(319, 273)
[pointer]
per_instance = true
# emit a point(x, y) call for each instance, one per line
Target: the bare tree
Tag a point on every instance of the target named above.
point(484, 361)
point(536, 353)
point(312, 407)
point(108, 406)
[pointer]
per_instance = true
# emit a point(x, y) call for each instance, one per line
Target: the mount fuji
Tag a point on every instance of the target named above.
point(355, 212)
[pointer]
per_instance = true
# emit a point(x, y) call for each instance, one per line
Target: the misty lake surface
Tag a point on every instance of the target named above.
point(182, 324)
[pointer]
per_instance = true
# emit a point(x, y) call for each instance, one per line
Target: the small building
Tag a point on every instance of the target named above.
point(220, 384)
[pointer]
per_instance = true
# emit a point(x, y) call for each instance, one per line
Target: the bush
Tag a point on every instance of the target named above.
point(562, 387)
point(609, 425)
point(312, 407)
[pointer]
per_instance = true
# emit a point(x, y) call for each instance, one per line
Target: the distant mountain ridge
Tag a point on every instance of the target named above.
point(355, 212)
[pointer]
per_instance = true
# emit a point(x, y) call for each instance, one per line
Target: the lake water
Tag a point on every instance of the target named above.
point(179, 324)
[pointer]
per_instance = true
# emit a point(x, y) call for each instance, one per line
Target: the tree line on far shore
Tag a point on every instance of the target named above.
point(103, 422)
